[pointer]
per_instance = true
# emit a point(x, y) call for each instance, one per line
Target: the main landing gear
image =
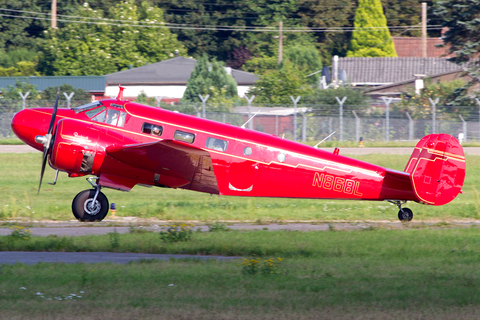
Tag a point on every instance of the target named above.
point(90, 205)
point(405, 214)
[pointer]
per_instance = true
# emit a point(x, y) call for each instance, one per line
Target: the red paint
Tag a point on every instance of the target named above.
point(125, 156)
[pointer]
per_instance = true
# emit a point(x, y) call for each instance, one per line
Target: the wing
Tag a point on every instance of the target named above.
point(175, 164)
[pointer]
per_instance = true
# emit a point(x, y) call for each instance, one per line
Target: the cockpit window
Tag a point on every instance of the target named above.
point(87, 106)
point(121, 120)
point(100, 117)
point(112, 117)
point(93, 112)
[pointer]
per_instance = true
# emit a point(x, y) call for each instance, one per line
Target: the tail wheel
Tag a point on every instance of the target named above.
point(85, 209)
point(405, 215)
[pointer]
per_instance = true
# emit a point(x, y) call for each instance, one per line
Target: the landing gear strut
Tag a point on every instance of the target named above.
point(405, 214)
point(90, 205)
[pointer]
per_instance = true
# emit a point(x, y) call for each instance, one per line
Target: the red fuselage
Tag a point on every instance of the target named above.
point(243, 162)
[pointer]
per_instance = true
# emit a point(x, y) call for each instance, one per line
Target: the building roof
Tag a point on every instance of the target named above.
point(174, 71)
point(412, 47)
point(91, 84)
point(275, 111)
point(382, 71)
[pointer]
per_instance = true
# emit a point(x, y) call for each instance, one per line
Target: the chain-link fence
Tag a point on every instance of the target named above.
point(314, 122)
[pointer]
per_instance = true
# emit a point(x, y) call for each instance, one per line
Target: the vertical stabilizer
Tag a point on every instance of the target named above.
point(437, 169)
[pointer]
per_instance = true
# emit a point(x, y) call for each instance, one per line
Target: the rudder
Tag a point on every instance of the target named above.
point(437, 169)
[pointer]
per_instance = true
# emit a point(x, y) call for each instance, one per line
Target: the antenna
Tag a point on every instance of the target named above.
point(331, 134)
point(243, 125)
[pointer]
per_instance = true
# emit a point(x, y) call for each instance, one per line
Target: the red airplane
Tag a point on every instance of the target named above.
point(121, 144)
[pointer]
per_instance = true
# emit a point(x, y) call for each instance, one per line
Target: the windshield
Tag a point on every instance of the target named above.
point(87, 106)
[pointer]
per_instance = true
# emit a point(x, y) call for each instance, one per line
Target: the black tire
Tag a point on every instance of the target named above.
point(405, 215)
point(82, 210)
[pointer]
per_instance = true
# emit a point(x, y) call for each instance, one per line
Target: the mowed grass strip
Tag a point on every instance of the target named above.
point(19, 175)
point(422, 273)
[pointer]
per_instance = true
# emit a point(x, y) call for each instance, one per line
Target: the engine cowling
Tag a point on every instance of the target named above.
point(79, 146)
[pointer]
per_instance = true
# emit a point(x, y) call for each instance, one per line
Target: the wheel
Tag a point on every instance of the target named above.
point(84, 209)
point(405, 215)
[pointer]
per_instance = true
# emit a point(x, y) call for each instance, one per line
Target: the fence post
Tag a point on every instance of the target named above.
point(69, 98)
point(340, 102)
point(204, 101)
point(478, 102)
point(387, 117)
point(410, 126)
point(24, 98)
point(158, 98)
point(295, 101)
point(357, 126)
point(223, 117)
point(276, 125)
point(304, 127)
point(434, 114)
point(464, 127)
point(249, 101)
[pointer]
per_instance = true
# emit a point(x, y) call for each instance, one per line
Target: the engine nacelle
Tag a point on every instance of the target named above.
point(79, 146)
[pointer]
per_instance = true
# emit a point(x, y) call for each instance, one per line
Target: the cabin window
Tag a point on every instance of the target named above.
point(93, 112)
point(184, 136)
point(281, 157)
point(100, 117)
point(121, 120)
point(112, 117)
point(153, 129)
point(216, 144)
point(247, 151)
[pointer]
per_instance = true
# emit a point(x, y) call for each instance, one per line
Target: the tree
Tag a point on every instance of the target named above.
point(207, 78)
point(324, 100)
point(22, 68)
point(12, 92)
point(50, 93)
point(307, 59)
point(463, 39)
point(371, 37)
point(277, 85)
point(102, 48)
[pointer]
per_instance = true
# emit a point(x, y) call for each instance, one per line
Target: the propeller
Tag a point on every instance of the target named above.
point(47, 140)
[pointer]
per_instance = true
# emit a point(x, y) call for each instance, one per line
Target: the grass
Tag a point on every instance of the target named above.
point(11, 141)
point(19, 174)
point(401, 274)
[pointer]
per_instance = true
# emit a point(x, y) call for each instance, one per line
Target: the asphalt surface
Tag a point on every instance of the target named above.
point(12, 257)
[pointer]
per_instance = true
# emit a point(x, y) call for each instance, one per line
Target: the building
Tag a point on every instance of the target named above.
point(167, 79)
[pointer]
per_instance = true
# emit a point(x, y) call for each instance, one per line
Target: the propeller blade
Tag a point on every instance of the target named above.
point(54, 113)
point(50, 139)
point(44, 163)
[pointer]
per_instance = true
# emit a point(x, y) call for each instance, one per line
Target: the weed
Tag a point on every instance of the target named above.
point(114, 239)
point(177, 232)
point(267, 266)
point(20, 233)
point(218, 226)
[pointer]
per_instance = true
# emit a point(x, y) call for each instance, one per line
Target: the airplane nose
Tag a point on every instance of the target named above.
point(27, 124)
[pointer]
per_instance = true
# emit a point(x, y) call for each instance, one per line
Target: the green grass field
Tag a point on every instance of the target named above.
point(374, 274)
point(415, 273)
point(19, 174)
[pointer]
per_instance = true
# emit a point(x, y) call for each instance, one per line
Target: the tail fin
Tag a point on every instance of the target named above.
point(437, 169)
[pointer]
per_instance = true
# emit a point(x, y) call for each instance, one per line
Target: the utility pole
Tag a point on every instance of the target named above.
point(54, 14)
point(280, 42)
point(424, 29)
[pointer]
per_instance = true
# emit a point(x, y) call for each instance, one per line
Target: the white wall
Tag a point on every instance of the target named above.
point(159, 91)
